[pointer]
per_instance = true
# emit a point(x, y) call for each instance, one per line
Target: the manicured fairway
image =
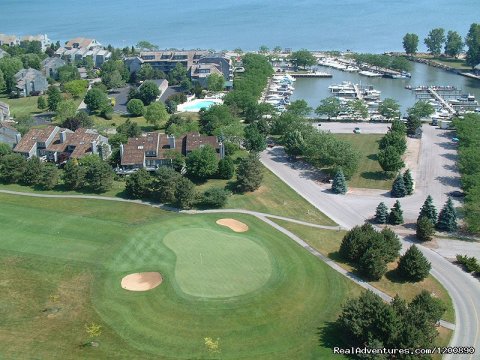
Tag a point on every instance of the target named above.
point(62, 264)
point(212, 264)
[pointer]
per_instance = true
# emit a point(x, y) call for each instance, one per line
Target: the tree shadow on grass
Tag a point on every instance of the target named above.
point(395, 277)
point(373, 157)
point(330, 335)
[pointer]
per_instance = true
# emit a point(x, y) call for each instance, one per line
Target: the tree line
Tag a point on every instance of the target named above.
point(452, 43)
point(468, 132)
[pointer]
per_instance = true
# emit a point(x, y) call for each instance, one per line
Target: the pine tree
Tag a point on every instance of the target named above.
point(447, 220)
point(381, 214)
point(396, 214)
point(339, 184)
point(428, 210)
point(398, 188)
point(408, 181)
point(413, 266)
point(425, 229)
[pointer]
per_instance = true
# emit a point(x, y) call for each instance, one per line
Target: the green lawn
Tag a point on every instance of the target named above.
point(102, 124)
point(369, 174)
point(62, 262)
point(328, 243)
point(26, 106)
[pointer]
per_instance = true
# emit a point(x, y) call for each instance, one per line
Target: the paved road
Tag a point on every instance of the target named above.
point(436, 175)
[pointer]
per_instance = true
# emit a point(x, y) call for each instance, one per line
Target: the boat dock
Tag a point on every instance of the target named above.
point(449, 98)
point(317, 74)
point(358, 92)
point(442, 101)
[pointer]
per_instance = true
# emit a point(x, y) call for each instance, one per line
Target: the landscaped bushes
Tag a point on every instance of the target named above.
point(469, 264)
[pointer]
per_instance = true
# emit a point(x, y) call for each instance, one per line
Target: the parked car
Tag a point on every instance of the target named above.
point(457, 194)
point(357, 130)
point(455, 140)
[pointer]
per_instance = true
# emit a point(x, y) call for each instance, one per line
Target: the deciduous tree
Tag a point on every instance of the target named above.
point(454, 44)
point(202, 163)
point(435, 40)
point(410, 43)
point(135, 107)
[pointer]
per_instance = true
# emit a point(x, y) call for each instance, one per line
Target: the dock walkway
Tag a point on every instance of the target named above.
point(445, 104)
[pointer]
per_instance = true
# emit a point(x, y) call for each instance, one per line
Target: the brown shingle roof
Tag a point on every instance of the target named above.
point(81, 139)
point(32, 137)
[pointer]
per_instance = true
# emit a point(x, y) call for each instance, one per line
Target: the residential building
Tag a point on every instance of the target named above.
point(4, 111)
point(42, 38)
point(8, 134)
point(3, 53)
point(80, 48)
point(133, 63)
point(98, 55)
point(223, 64)
point(30, 82)
point(150, 150)
point(81, 42)
point(10, 40)
point(200, 72)
point(51, 65)
point(58, 145)
point(168, 59)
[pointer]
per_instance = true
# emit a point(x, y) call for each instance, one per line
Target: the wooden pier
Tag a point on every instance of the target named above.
point(442, 101)
point(310, 75)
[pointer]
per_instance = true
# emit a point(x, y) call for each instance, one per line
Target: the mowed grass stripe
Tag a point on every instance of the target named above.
point(213, 264)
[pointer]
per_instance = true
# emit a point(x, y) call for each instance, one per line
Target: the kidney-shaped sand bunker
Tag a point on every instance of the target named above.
point(142, 281)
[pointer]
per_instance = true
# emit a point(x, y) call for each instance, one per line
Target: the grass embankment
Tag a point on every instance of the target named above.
point(273, 197)
point(369, 174)
point(328, 243)
point(458, 64)
point(62, 265)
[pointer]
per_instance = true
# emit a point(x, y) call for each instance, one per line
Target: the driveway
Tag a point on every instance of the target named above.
point(121, 98)
point(436, 175)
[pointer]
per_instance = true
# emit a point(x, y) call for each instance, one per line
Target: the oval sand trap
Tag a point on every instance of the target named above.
point(233, 224)
point(142, 281)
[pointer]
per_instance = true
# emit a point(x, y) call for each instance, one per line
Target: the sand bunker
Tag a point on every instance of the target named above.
point(142, 281)
point(233, 224)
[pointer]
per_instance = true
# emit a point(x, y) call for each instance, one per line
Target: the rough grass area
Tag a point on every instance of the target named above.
point(369, 174)
point(328, 243)
point(451, 62)
point(62, 263)
point(102, 124)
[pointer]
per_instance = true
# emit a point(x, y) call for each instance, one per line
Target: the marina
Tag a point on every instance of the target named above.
point(314, 90)
point(278, 91)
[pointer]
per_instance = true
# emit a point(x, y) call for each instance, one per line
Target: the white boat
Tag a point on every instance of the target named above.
point(370, 73)
point(350, 68)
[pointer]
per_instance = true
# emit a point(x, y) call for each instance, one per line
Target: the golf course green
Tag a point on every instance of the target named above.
point(260, 294)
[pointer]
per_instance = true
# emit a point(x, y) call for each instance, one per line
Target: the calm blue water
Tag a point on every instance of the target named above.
point(198, 105)
point(359, 25)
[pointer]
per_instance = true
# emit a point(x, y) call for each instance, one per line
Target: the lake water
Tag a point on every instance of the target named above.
point(314, 90)
point(359, 25)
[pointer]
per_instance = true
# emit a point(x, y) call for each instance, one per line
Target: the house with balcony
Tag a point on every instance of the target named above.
point(168, 59)
point(57, 144)
point(80, 48)
point(151, 150)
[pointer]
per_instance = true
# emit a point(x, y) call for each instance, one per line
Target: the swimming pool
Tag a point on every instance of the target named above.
point(196, 105)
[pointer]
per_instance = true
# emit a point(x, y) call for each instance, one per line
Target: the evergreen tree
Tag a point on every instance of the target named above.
point(381, 214)
point(447, 220)
point(249, 174)
point(396, 214)
point(226, 168)
point(41, 103)
point(49, 176)
point(408, 181)
point(425, 229)
point(413, 265)
point(339, 184)
point(139, 184)
point(32, 171)
point(428, 210)
point(372, 264)
point(398, 188)
point(54, 98)
point(185, 193)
